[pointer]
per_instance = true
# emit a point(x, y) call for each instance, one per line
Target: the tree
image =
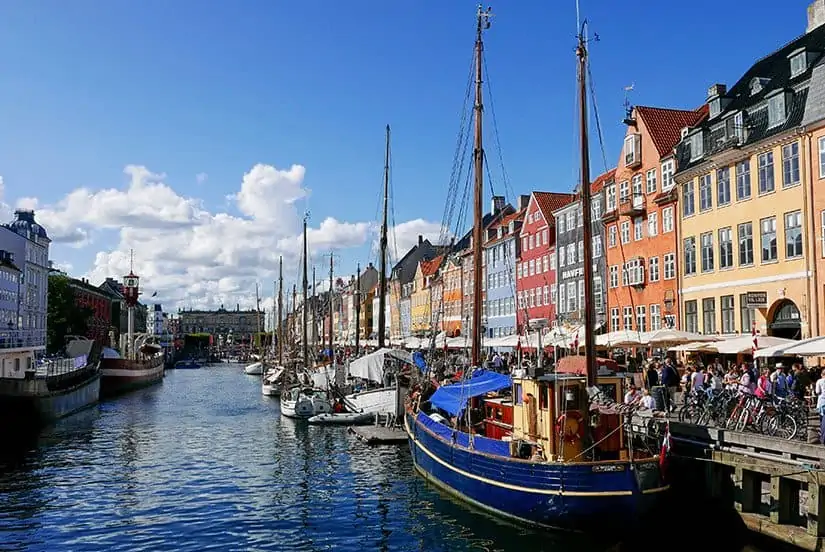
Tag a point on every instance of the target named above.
point(65, 316)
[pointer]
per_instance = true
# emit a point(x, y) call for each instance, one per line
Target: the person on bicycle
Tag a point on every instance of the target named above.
point(763, 384)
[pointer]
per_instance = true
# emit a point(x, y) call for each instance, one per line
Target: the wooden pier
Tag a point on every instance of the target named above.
point(776, 486)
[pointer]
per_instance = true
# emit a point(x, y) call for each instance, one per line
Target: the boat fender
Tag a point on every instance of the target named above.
point(564, 431)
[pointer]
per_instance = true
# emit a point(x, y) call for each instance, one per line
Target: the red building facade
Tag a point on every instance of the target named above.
point(536, 267)
point(87, 295)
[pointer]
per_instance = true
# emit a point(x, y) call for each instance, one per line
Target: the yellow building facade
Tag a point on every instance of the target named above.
point(420, 303)
point(743, 254)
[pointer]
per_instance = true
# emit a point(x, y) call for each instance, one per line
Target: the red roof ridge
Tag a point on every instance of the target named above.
point(665, 124)
point(549, 202)
point(429, 267)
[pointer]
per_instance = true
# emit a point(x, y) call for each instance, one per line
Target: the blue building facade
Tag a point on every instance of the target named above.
point(9, 291)
point(501, 249)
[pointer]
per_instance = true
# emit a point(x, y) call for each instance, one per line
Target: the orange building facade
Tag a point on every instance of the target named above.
point(640, 219)
point(451, 278)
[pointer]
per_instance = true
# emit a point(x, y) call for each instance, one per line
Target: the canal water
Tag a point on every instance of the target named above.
point(205, 462)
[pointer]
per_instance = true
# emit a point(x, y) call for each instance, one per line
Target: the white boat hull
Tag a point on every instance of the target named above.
point(375, 401)
point(345, 418)
point(254, 369)
point(303, 404)
point(270, 390)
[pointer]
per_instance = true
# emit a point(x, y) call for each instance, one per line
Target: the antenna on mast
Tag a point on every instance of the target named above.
point(131, 261)
point(628, 107)
point(484, 16)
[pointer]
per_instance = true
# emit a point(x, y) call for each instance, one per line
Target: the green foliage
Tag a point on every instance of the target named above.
point(65, 317)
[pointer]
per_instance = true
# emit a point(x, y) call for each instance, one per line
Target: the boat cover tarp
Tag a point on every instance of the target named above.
point(371, 366)
point(481, 444)
point(453, 398)
point(418, 360)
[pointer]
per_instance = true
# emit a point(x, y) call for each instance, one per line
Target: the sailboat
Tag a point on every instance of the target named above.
point(547, 450)
point(303, 401)
point(271, 378)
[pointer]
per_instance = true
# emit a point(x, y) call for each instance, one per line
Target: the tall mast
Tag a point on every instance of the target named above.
point(304, 344)
point(589, 346)
point(280, 310)
point(258, 318)
point(483, 22)
point(382, 281)
point(314, 314)
point(358, 309)
point(293, 329)
point(332, 355)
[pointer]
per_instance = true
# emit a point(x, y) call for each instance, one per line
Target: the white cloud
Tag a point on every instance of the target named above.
point(196, 258)
point(402, 237)
point(200, 178)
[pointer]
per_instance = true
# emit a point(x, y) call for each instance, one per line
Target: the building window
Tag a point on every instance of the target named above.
point(614, 319)
point(624, 190)
point(651, 181)
point(723, 186)
point(598, 295)
point(532, 241)
point(822, 232)
point(560, 227)
point(562, 298)
point(544, 236)
point(655, 317)
point(725, 248)
point(705, 193)
point(625, 231)
point(628, 318)
point(545, 261)
point(638, 228)
point(688, 199)
point(597, 208)
point(635, 270)
point(793, 234)
point(652, 224)
point(728, 314)
point(546, 295)
point(610, 194)
point(580, 250)
point(707, 251)
point(637, 185)
point(597, 247)
point(554, 292)
point(776, 110)
point(614, 276)
point(691, 317)
point(571, 297)
point(641, 318)
point(690, 255)
point(745, 233)
point(667, 175)
point(798, 64)
point(790, 165)
point(709, 315)
point(822, 157)
point(696, 146)
point(654, 269)
point(768, 234)
point(670, 266)
point(562, 257)
point(611, 236)
point(746, 313)
point(743, 180)
point(667, 220)
point(766, 184)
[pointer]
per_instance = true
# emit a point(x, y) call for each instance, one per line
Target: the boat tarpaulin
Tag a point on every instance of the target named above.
point(418, 359)
point(369, 367)
point(453, 398)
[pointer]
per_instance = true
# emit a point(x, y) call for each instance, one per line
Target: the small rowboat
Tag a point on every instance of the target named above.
point(348, 418)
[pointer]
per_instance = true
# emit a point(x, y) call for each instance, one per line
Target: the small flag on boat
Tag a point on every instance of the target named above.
point(576, 342)
point(666, 446)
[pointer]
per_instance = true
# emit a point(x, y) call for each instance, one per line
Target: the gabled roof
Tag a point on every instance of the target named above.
point(487, 220)
point(428, 268)
point(604, 178)
point(665, 125)
point(549, 202)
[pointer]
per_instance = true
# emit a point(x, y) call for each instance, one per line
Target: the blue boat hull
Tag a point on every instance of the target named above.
point(571, 496)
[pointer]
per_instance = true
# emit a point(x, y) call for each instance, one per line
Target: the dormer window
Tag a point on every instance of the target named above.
point(715, 107)
point(758, 84)
point(696, 146)
point(799, 63)
point(632, 150)
point(776, 110)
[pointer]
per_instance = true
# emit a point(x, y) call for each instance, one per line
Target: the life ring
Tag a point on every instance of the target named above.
point(563, 431)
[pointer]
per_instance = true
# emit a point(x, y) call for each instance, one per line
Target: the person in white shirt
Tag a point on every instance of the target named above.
point(697, 380)
point(632, 396)
point(647, 400)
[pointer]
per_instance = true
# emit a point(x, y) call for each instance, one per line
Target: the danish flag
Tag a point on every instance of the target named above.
point(755, 343)
point(575, 343)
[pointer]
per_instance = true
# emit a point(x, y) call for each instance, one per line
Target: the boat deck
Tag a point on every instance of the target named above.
point(379, 435)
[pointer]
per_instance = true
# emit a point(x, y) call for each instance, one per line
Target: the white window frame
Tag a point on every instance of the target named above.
point(653, 224)
point(635, 272)
point(650, 181)
point(667, 220)
point(653, 269)
point(669, 266)
point(624, 232)
point(638, 229)
point(668, 168)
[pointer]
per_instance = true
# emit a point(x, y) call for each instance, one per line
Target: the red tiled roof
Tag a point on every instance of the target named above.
point(428, 268)
point(601, 180)
point(518, 215)
point(552, 201)
point(665, 125)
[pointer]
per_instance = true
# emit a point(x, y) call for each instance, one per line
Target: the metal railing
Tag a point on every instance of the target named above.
point(15, 339)
point(60, 367)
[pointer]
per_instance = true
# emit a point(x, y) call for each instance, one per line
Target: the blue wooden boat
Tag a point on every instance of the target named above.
point(540, 473)
point(188, 364)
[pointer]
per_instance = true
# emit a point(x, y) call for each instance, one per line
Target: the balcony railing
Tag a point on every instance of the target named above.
point(17, 339)
point(60, 367)
point(632, 206)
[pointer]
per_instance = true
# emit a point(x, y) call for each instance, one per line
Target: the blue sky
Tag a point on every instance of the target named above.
point(185, 87)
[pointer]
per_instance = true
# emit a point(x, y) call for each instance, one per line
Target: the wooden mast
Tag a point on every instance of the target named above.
point(382, 281)
point(280, 311)
point(329, 295)
point(358, 310)
point(589, 317)
point(258, 323)
point(304, 344)
point(482, 22)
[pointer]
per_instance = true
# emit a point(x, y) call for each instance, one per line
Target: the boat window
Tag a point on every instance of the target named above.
point(570, 397)
point(544, 396)
point(499, 415)
point(517, 395)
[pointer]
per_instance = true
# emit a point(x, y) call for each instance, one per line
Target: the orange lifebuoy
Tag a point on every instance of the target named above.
point(564, 432)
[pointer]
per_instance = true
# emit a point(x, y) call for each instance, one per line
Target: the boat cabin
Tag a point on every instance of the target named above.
point(498, 417)
point(551, 414)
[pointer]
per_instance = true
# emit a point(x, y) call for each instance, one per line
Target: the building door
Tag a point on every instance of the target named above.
point(785, 320)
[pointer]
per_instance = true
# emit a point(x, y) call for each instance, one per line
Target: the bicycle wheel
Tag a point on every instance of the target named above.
point(742, 420)
point(690, 413)
point(782, 426)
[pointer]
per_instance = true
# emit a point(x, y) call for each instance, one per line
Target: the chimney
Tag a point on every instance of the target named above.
point(369, 266)
point(716, 90)
point(238, 307)
point(523, 202)
point(816, 15)
point(420, 239)
point(498, 204)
